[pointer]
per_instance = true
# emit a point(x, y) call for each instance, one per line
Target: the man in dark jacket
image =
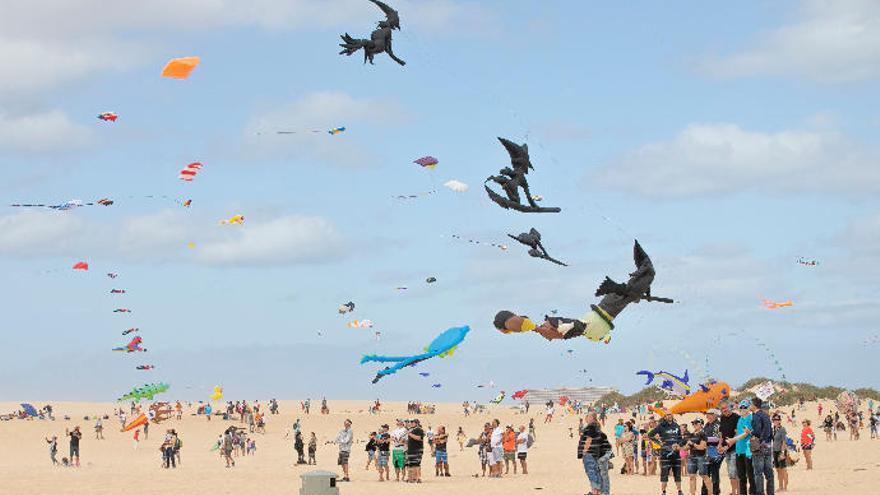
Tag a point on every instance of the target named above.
point(590, 448)
point(668, 433)
point(762, 460)
point(714, 457)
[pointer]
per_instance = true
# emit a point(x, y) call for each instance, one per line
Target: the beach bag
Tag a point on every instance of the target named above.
point(755, 445)
point(530, 442)
point(791, 458)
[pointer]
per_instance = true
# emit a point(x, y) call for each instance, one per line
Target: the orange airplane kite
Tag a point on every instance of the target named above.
point(776, 305)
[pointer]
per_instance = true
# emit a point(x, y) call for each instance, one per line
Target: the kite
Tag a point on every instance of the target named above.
point(133, 346)
point(401, 288)
point(108, 116)
point(122, 310)
point(380, 39)
point(218, 393)
point(346, 308)
point(707, 397)
point(502, 247)
point(130, 330)
point(145, 367)
point(456, 185)
point(430, 280)
point(146, 392)
point(187, 203)
point(117, 291)
point(847, 402)
point(104, 202)
point(112, 275)
point(378, 336)
point(519, 394)
point(67, 205)
point(81, 265)
point(436, 385)
point(160, 411)
point(360, 324)
point(805, 262)
point(189, 172)
point(137, 422)
point(511, 179)
point(442, 346)
point(29, 409)
point(414, 196)
point(180, 68)
point(563, 400)
point(491, 384)
point(424, 375)
point(670, 383)
point(498, 398)
point(532, 239)
point(234, 220)
point(597, 324)
point(336, 130)
point(427, 162)
point(776, 305)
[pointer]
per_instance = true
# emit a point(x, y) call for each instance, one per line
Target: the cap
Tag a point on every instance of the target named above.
point(713, 411)
point(697, 421)
point(744, 404)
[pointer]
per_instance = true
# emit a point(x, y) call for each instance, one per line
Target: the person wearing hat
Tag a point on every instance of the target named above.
point(762, 456)
point(712, 431)
point(697, 444)
point(415, 450)
point(383, 439)
point(741, 443)
point(398, 456)
point(728, 422)
point(780, 456)
point(669, 435)
point(75, 437)
point(344, 440)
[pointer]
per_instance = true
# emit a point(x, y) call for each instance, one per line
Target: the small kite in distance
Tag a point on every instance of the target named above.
point(456, 185)
point(345, 308)
point(180, 68)
point(360, 324)
point(806, 262)
point(776, 305)
point(234, 220)
point(436, 385)
point(145, 367)
point(108, 116)
point(427, 162)
point(122, 310)
point(430, 280)
point(117, 291)
point(424, 375)
point(81, 265)
point(112, 275)
point(336, 130)
point(130, 330)
point(189, 172)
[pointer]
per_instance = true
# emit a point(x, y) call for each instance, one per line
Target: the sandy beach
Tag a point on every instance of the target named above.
point(113, 466)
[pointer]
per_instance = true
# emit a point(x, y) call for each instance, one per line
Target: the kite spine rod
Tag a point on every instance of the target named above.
point(657, 299)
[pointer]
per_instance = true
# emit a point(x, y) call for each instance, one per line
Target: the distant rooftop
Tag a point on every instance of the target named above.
point(585, 394)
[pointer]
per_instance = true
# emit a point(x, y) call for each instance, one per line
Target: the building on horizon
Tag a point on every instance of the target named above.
point(587, 395)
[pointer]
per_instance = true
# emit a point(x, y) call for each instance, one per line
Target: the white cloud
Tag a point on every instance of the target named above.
point(321, 111)
point(721, 158)
point(829, 42)
point(284, 240)
point(34, 233)
point(50, 131)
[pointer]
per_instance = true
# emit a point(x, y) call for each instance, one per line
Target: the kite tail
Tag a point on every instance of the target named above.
point(372, 358)
point(650, 376)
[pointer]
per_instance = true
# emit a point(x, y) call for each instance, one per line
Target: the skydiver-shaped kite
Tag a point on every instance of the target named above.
point(532, 239)
point(380, 39)
point(597, 324)
point(511, 179)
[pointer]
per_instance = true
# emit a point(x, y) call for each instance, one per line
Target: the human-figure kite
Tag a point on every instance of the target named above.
point(130, 330)
point(108, 116)
point(597, 324)
point(345, 308)
point(776, 305)
point(380, 39)
point(145, 367)
point(532, 239)
point(117, 291)
point(234, 220)
point(133, 346)
point(670, 383)
point(512, 179)
point(442, 346)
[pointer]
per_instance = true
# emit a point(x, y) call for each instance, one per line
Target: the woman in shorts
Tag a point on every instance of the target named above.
point(780, 457)
point(808, 439)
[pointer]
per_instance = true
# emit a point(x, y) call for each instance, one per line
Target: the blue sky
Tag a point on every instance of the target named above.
point(729, 139)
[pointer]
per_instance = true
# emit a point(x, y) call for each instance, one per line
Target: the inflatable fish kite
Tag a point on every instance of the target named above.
point(598, 323)
point(108, 116)
point(442, 346)
point(709, 396)
point(776, 305)
point(670, 383)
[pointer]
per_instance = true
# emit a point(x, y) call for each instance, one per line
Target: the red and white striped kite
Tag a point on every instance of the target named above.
point(189, 172)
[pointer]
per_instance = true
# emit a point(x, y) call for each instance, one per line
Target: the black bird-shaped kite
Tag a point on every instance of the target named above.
point(380, 39)
point(532, 239)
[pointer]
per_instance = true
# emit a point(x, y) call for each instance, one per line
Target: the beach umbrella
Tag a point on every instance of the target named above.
point(29, 409)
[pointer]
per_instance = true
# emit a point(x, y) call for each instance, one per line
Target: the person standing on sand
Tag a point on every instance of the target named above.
point(780, 457)
point(483, 448)
point(808, 440)
point(762, 460)
point(589, 450)
point(383, 445)
point(371, 449)
point(299, 445)
point(415, 449)
point(460, 437)
point(99, 429)
point(75, 437)
point(226, 449)
point(313, 448)
point(668, 433)
point(441, 457)
point(522, 448)
point(136, 437)
point(324, 408)
point(727, 427)
point(508, 442)
point(496, 456)
point(344, 440)
point(714, 457)
point(53, 449)
point(742, 442)
point(398, 456)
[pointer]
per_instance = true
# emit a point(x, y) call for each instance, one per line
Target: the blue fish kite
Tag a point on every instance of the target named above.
point(673, 384)
point(442, 346)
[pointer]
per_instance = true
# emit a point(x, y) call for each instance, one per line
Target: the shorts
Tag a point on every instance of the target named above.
point(371, 454)
point(343, 458)
point(522, 455)
point(807, 447)
point(441, 456)
point(497, 455)
point(74, 451)
point(697, 465)
point(509, 456)
point(777, 463)
point(382, 460)
point(398, 459)
point(731, 465)
point(669, 463)
point(414, 459)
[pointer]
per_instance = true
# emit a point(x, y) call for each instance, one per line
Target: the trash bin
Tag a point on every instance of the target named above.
point(319, 483)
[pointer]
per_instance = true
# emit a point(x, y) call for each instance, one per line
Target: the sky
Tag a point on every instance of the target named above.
point(729, 139)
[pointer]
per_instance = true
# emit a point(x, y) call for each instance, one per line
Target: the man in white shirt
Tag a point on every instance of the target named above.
point(497, 455)
point(398, 449)
point(522, 448)
point(344, 441)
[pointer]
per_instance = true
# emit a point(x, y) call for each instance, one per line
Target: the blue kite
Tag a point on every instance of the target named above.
point(29, 409)
point(442, 346)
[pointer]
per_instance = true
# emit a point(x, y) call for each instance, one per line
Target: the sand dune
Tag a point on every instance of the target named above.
point(112, 466)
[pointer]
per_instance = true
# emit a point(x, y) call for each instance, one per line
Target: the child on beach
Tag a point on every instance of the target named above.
point(53, 449)
point(313, 447)
point(137, 438)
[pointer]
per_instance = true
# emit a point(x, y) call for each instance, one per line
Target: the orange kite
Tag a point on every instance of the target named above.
point(180, 68)
point(776, 305)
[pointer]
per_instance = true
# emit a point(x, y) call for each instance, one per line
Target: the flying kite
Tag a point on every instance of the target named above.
point(498, 398)
point(188, 173)
point(401, 288)
point(670, 383)
point(122, 310)
point(502, 247)
point(436, 385)
point(378, 336)
point(133, 346)
point(117, 291)
point(512, 179)
point(380, 39)
point(776, 305)
point(66, 206)
point(414, 196)
point(805, 262)
point(218, 393)
point(108, 116)
point(430, 280)
point(234, 220)
point(424, 375)
point(145, 367)
point(137, 422)
point(491, 384)
point(81, 265)
point(597, 324)
point(130, 330)
point(146, 392)
point(707, 397)
point(112, 275)
point(180, 68)
point(519, 394)
point(532, 239)
point(360, 324)
point(336, 130)
point(442, 346)
point(346, 308)
point(427, 162)
point(456, 185)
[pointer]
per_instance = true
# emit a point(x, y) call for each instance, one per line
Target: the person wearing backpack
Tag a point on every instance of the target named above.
point(714, 457)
